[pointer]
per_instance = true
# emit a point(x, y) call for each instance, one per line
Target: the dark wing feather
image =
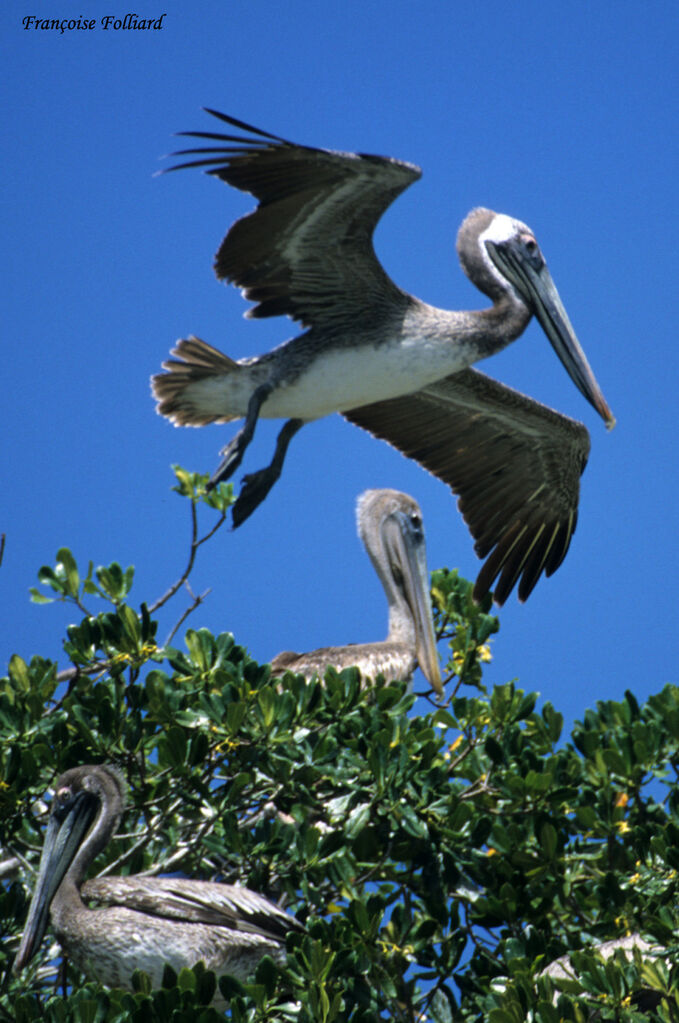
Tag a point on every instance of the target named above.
point(514, 463)
point(205, 902)
point(306, 251)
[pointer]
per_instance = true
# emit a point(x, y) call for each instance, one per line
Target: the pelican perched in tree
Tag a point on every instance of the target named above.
point(145, 922)
point(390, 526)
point(644, 999)
point(386, 360)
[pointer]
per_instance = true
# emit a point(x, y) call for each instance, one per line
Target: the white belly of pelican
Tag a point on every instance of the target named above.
point(345, 378)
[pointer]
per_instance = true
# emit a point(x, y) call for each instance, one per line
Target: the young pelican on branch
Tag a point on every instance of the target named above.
point(143, 923)
point(390, 526)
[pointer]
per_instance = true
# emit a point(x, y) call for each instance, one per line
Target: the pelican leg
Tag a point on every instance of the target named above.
point(235, 449)
point(258, 484)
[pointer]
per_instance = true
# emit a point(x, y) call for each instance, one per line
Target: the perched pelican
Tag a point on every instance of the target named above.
point(145, 922)
point(644, 999)
point(562, 968)
point(390, 526)
point(382, 357)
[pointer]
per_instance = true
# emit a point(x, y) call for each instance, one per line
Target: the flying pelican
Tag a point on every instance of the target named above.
point(146, 922)
point(390, 526)
point(382, 357)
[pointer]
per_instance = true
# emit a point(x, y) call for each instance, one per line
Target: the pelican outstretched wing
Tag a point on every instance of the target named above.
point(306, 251)
point(514, 463)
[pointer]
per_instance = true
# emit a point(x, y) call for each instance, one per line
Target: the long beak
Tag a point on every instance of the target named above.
point(535, 284)
point(406, 548)
point(62, 839)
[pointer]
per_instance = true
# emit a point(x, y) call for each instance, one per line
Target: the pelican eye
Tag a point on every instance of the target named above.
point(532, 250)
point(63, 795)
point(63, 800)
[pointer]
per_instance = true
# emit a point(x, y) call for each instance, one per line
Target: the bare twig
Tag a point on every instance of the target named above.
point(197, 601)
point(68, 674)
point(187, 571)
point(454, 764)
point(195, 544)
point(10, 868)
point(151, 831)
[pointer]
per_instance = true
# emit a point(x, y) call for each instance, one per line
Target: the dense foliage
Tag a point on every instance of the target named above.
point(439, 861)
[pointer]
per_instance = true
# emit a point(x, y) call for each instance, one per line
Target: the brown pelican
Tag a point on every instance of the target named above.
point(562, 968)
point(643, 999)
point(390, 526)
point(379, 355)
point(145, 922)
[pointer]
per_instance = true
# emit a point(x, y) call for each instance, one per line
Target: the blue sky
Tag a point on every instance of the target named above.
point(561, 115)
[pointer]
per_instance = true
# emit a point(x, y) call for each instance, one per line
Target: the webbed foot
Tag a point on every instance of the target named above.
point(258, 484)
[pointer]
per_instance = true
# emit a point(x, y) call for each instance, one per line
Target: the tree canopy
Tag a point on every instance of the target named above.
point(440, 861)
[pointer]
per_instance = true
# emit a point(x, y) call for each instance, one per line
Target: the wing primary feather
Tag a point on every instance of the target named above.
point(243, 125)
point(560, 548)
point(535, 563)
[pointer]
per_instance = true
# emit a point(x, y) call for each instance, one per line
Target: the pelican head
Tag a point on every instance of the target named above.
point(86, 810)
point(501, 256)
point(390, 526)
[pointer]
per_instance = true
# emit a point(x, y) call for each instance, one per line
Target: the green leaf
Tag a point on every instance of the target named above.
point(172, 747)
point(357, 820)
point(67, 572)
point(186, 979)
point(18, 673)
point(548, 840)
point(267, 975)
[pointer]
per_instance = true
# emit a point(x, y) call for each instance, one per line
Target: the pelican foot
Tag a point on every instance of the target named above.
point(257, 485)
point(255, 488)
